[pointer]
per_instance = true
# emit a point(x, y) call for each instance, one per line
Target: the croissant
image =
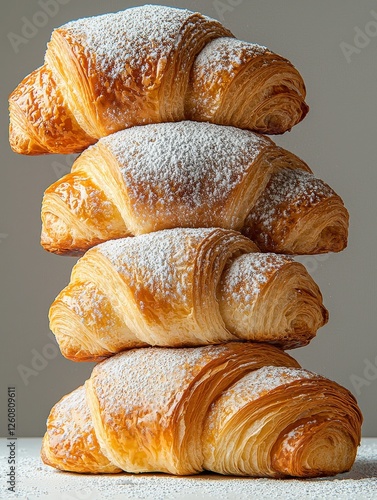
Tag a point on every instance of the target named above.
point(183, 287)
point(191, 174)
point(107, 73)
point(241, 409)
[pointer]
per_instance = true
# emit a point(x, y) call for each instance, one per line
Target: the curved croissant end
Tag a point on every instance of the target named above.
point(304, 426)
point(40, 120)
point(247, 86)
point(298, 214)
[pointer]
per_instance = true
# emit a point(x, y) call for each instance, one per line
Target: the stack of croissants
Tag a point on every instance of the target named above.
point(185, 219)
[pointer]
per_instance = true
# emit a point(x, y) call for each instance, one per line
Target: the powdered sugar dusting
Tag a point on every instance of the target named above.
point(195, 163)
point(93, 308)
point(87, 301)
point(288, 192)
point(291, 437)
point(160, 262)
point(226, 55)
point(136, 38)
point(73, 402)
point(71, 429)
point(259, 382)
point(220, 61)
point(147, 383)
point(35, 480)
point(247, 274)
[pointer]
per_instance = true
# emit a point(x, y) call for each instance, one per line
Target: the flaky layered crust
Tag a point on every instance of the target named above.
point(191, 174)
point(246, 85)
point(270, 298)
point(234, 409)
point(302, 425)
point(183, 287)
point(107, 73)
point(298, 212)
point(41, 121)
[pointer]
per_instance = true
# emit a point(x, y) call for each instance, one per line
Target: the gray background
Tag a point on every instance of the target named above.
point(337, 139)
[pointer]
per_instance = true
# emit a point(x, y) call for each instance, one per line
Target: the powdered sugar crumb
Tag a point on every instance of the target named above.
point(73, 402)
point(226, 55)
point(35, 480)
point(288, 190)
point(183, 161)
point(124, 39)
point(157, 262)
point(144, 382)
point(259, 382)
point(247, 274)
point(220, 61)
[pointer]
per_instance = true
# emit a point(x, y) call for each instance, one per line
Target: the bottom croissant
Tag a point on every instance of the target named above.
point(240, 409)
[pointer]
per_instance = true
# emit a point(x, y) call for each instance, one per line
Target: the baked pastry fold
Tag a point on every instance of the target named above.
point(107, 73)
point(183, 287)
point(247, 86)
point(191, 174)
point(233, 409)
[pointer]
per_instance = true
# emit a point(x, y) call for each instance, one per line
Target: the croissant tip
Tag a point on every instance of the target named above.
point(43, 454)
point(305, 110)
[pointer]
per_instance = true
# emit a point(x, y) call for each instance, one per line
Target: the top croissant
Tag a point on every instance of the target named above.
point(144, 65)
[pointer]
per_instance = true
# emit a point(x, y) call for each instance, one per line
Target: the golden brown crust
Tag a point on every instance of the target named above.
point(245, 85)
point(183, 287)
point(107, 73)
point(111, 72)
point(303, 425)
point(156, 289)
point(298, 214)
point(95, 218)
point(283, 307)
point(150, 178)
point(240, 409)
point(70, 442)
point(48, 125)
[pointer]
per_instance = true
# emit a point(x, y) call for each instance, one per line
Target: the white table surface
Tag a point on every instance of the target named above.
point(35, 480)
